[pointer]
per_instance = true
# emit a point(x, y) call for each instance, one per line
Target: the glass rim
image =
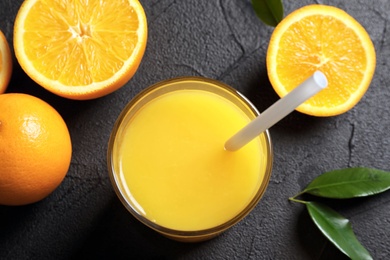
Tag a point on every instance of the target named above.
point(186, 233)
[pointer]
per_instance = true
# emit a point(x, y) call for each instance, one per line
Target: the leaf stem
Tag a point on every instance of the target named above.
point(294, 199)
point(299, 194)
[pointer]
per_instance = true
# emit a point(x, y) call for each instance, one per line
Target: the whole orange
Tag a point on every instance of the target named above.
point(35, 149)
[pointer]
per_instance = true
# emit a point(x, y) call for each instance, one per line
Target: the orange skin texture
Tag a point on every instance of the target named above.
point(35, 149)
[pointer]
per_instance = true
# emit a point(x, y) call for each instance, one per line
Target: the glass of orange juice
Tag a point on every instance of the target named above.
point(168, 165)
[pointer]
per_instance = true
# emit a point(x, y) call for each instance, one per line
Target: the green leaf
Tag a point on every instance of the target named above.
point(269, 11)
point(338, 230)
point(349, 183)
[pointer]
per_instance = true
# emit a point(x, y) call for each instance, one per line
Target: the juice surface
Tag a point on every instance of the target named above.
point(172, 159)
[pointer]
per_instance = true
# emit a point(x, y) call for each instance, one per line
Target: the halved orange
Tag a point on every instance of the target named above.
point(324, 38)
point(80, 49)
point(5, 63)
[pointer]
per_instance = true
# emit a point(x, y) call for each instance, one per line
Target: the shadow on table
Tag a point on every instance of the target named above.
point(119, 235)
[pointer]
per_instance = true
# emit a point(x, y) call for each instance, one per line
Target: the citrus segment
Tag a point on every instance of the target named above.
point(80, 49)
point(5, 63)
point(325, 38)
point(35, 149)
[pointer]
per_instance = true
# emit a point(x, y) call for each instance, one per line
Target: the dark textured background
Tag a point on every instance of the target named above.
point(223, 40)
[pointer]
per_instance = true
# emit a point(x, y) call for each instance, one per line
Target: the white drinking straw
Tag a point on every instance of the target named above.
point(277, 111)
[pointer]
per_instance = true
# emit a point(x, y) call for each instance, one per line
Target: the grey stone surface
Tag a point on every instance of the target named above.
point(223, 40)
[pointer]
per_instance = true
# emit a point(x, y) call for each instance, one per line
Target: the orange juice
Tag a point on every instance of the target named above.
point(169, 160)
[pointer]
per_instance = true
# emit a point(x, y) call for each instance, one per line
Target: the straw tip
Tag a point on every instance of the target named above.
point(320, 79)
